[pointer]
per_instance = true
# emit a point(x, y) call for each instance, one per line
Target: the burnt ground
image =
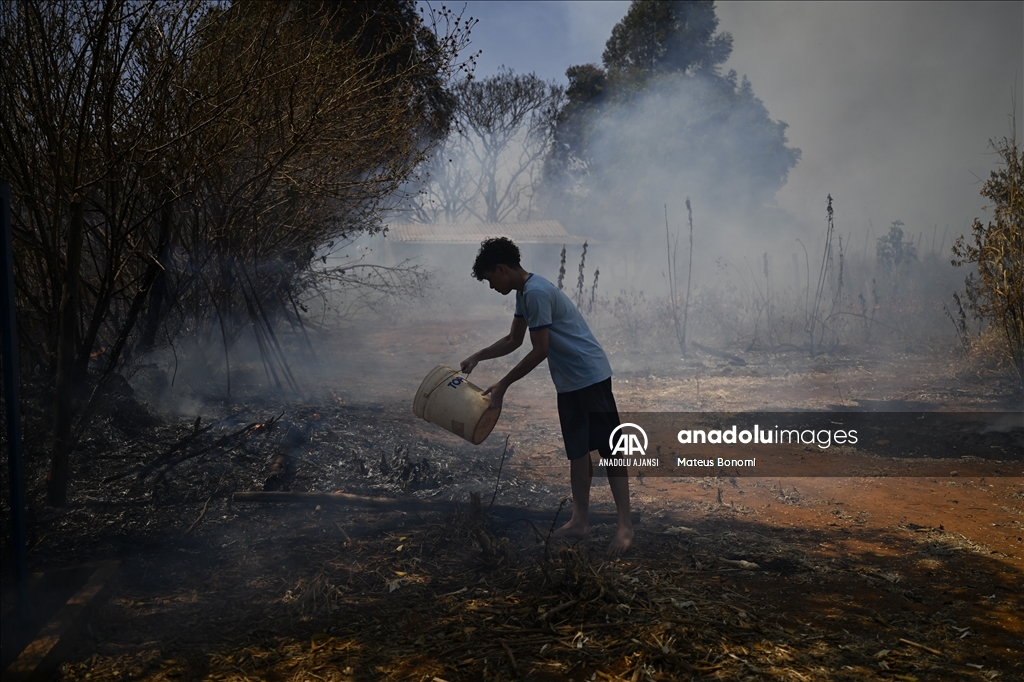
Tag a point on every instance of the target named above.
point(796, 578)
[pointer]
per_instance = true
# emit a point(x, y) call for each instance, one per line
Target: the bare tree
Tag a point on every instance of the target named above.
point(490, 167)
point(442, 190)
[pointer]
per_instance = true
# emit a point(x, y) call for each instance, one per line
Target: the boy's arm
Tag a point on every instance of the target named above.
point(539, 339)
point(503, 346)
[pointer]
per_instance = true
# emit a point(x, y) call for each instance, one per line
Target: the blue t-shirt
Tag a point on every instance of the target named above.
point(575, 358)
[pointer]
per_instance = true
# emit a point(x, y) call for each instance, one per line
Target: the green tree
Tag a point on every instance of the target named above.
point(660, 118)
point(666, 36)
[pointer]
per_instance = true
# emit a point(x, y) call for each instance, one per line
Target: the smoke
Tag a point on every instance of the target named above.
point(362, 340)
point(892, 104)
point(704, 137)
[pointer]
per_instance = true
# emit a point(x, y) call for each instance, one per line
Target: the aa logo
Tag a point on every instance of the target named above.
point(628, 443)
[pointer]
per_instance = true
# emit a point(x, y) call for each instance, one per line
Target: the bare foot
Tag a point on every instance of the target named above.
point(622, 541)
point(573, 530)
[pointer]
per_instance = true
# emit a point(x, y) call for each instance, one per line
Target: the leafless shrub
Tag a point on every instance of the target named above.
point(631, 321)
point(628, 310)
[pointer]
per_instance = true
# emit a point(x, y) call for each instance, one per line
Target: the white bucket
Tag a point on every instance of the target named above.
point(453, 403)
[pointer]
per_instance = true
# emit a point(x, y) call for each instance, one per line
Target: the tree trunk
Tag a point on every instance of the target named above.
point(156, 294)
point(57, 481)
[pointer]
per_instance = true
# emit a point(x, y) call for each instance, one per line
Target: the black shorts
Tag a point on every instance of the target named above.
point(588, 416)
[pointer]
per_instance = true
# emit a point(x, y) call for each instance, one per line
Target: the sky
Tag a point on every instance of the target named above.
point(892, 104)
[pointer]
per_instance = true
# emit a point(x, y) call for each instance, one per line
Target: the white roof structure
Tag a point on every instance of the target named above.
point(535, 232)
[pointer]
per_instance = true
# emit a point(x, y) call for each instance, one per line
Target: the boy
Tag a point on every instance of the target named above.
point(579, 369)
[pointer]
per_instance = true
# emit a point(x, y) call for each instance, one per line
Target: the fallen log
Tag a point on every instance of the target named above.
point(396, 504)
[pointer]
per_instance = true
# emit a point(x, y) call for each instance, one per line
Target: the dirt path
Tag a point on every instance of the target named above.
point(861, 554)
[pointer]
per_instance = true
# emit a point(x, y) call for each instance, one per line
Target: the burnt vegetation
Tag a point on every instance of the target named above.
point(178, 170)
point(188, 180)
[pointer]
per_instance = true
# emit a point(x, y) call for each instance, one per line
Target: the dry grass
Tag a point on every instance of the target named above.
point(458, 602)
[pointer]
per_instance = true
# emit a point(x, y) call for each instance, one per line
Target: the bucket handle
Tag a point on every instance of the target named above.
point(438, 385)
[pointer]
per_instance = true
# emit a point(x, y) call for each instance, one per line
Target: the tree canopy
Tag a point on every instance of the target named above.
point(234, 139)
point(659, 119)
point(666, 37)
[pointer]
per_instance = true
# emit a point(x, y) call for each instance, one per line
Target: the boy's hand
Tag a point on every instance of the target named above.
point(496, 393)
point(468, 364)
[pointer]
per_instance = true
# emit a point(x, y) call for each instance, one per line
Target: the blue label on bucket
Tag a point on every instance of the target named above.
point(454, 383)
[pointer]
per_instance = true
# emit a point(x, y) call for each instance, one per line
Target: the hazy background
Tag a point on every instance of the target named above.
point(892, 104)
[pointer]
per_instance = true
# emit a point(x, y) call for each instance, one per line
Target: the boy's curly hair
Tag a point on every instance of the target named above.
point(494, 252)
